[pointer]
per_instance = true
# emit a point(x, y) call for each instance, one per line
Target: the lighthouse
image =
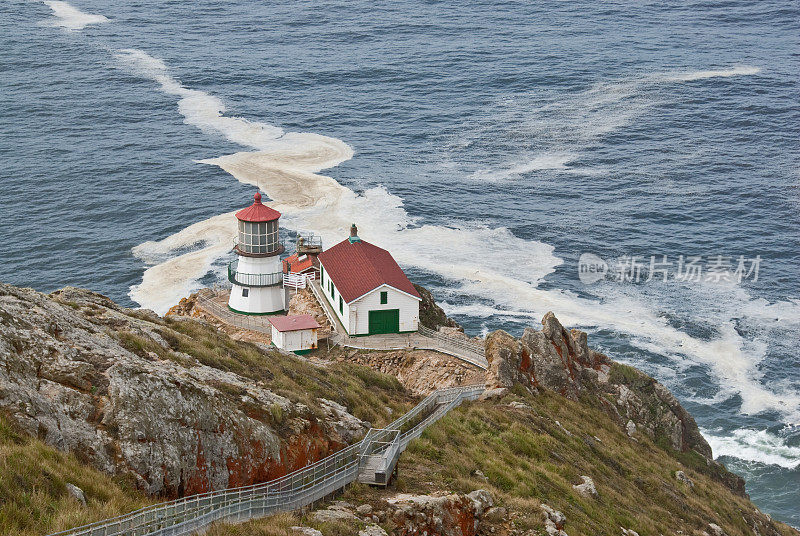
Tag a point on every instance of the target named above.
point(257, 274)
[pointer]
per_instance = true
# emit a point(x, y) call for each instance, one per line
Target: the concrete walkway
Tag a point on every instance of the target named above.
point(468, 351)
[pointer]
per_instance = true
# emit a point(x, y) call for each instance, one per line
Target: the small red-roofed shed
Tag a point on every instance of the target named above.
point(296, 334)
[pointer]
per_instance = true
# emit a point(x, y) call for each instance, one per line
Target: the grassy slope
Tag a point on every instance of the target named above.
point(365, 392)
point(33, 494)
point(528, 459)
point(526, 456)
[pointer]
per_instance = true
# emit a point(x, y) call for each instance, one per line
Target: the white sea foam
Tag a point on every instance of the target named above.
point(567, 124)
point(722, 73)
point(198, 108)
point(537, 163)
point(70, 17)
point(756, 446)
point(286, 167)
point(172, 277)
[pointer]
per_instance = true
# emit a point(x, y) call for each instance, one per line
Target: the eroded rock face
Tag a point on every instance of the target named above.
point(173, 425)
point(559, 360)
point(419, 371)
point(430, 314)
point(444, 515)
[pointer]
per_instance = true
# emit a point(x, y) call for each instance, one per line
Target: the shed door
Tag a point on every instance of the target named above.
point(386, 321)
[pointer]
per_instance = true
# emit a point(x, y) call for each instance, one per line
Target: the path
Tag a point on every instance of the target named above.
point(371, 460)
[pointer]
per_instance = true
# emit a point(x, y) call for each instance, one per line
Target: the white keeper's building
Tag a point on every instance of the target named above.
point(367, 289)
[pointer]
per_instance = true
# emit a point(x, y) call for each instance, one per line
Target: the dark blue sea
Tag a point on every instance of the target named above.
point(488, 145)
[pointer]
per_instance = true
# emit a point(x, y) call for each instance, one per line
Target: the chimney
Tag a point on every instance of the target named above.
point(354, 234)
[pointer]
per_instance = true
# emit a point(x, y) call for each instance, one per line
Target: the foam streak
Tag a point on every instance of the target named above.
point(70, 17)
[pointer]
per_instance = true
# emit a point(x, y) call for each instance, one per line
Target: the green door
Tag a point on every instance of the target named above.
point(386, 321)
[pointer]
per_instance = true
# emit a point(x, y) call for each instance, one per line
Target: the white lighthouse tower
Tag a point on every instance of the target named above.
point(257, 275)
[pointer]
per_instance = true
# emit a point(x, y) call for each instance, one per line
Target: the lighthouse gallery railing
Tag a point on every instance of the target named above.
point(253, 280)
point(295, 490)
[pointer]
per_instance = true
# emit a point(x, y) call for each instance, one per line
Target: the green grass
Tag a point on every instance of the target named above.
point(365, 392)
point(33, 494)
point(528, 459)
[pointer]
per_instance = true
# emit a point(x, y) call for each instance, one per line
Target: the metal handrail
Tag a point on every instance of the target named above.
point(253, 280)
point(297, 489)
point(467, 345)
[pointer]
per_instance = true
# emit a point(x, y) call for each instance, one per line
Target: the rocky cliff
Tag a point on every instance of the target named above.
point(558, 360)
point(170, 403)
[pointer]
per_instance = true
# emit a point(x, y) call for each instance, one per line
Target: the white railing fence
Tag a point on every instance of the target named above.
point(379, 450)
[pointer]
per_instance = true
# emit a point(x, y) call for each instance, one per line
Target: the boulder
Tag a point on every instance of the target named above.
point(364, 509)
point(76, 492)
point(715, 530)
point(630, 428)
point(554, 521)
point(372, 530)
point(680, 476)
point(586, 488)
point(306, 531)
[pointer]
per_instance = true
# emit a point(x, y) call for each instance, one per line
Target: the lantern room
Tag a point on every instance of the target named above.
point(258, 230)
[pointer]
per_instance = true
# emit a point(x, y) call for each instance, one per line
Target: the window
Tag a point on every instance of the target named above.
point(321, 273)
point(341, 305)
point(245, 292)
point(384, 297)
point(261, 237)
point(331, 285)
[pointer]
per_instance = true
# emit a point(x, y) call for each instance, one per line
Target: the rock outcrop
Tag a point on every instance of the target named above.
point(445, 515)
point(559, 360)
point(430, 314)
point(419, 371)
point(110, 385)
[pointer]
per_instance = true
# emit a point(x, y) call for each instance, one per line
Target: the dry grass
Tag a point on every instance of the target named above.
point(528, 459)
point(365, 392)
point(33, 476)
point(33, 494)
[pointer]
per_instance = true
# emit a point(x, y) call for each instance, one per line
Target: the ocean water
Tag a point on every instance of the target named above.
point(487, 145)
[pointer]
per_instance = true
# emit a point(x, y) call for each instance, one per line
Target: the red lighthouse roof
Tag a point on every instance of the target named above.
point(258, 212)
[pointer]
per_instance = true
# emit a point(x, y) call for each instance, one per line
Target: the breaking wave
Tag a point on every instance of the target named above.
point(758, 446)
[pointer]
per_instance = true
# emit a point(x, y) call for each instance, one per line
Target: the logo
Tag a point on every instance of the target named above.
point(591, 268)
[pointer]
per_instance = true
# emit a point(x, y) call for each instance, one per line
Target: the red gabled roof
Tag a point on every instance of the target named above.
point(293, 323)
point(258, 212)
point(296, 265)
point(359, 267)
